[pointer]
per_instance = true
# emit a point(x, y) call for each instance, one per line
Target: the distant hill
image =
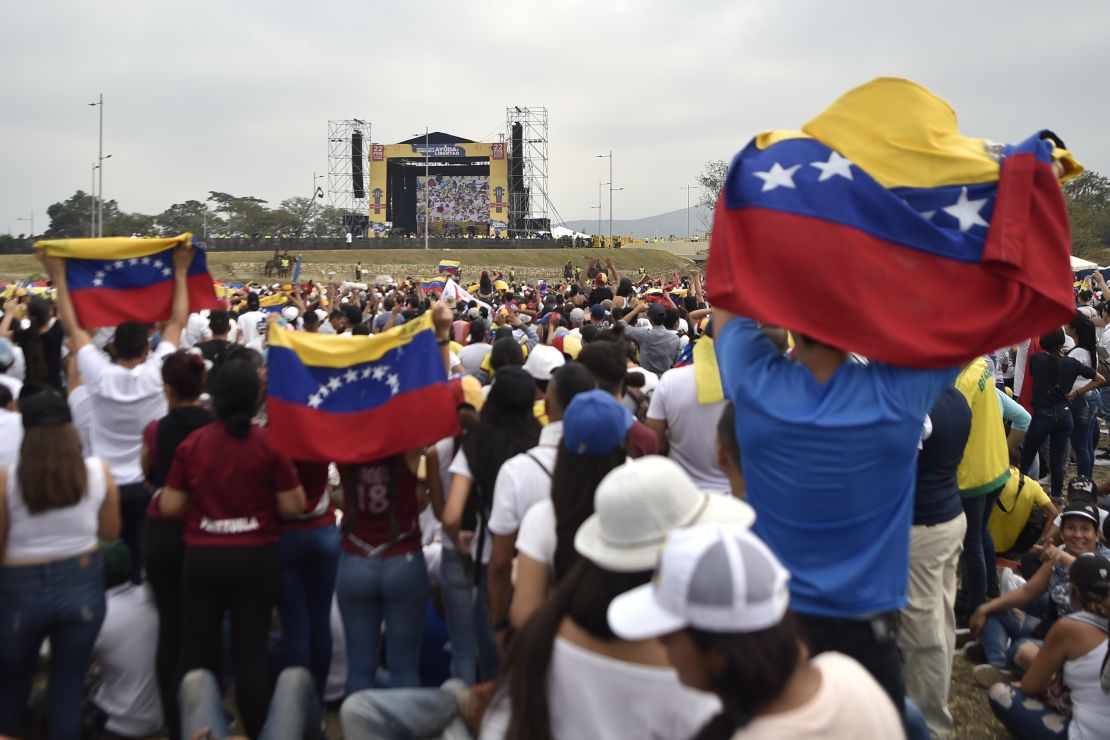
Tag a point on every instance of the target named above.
point(663, 225)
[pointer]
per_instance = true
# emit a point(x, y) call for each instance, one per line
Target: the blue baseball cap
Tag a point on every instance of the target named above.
point(595, 423)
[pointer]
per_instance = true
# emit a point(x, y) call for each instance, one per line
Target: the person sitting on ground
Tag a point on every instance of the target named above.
point(1023, 515)
point(1074, 654)
point(718, 603)
point(1011, 644)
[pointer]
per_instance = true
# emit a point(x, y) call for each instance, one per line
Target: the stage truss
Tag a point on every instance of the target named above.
point(531, 208)
point(340, 169)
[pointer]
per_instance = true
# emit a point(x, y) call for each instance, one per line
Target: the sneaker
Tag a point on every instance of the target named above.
point(973, 651)
point(987, 675)
point(1101, 462)
point(1103, 455)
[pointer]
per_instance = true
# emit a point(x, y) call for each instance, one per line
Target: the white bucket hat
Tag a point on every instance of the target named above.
point(718, 578)
point(637, 504)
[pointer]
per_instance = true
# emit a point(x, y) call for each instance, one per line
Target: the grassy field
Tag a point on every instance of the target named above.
point(532, 264)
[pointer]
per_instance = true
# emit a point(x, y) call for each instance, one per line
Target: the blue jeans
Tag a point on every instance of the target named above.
point(294, 708)
point(134, 499)
point(489, 655)
point(404, 714)
point(1083, 410)
point(978, 562)
point(1055, 425)
point(457, 591)
point(373, 591)
point(62, 600)
point(1032, 721)
point(1003, 634)
point(309, 562)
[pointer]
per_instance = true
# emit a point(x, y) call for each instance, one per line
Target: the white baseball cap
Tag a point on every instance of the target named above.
point(715, 577)
point(542, 361)
point(636, 506)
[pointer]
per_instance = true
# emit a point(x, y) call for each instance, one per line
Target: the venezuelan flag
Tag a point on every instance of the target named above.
point(436, 284)
point(355, 399)
point(272, 303)
point(120, 279)
point(450, 267)
point(918, 246)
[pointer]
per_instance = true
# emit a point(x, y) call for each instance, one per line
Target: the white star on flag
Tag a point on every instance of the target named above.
point(394, 383)
point(834, 167)
point(379, 372)
point(146, 260)
point(352, 375)
point(133, 261)
point(777, 176)
point(315, 400)
point(367, 372)
point(118, 264)
point(167, 272)
point(335, 383)
point(967, 211)
point(323, 391)
point(98, 282)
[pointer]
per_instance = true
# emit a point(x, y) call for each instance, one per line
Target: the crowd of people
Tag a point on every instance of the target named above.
point(658, 520)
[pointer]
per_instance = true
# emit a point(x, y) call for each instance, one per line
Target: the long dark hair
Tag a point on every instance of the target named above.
point(1051, 343)
point(758, 666)
point(235, 391)
point(485, 286)
point(1085, 336)
point(573, 483)
point(500, 434)
point(584, 596)
point(34, 349)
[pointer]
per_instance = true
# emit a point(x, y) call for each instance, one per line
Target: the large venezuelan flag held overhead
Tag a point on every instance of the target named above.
point(119, 279)
point(352, 399)
point(913, 244)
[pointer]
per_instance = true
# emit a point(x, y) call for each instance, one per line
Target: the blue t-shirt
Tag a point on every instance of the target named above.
point(829, 468)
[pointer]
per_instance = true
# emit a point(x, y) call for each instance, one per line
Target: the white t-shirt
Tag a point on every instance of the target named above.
point(595, 696)
point(125, 651)
point(461, 466)
point(691, 427)
point(848, 704)
point(11, 436)
point(524, 480)
point(15, 385)
point(80, 408)
point(445, 450)
point(471, 356)
point(1083, 357)
point(252, 326)
point(196, 329)
point(537, 538)
point(57, 533)
point(124, 401)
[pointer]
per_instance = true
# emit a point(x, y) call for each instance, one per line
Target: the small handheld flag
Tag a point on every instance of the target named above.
point(451, 267)
point(118, 279)
point(360, 398)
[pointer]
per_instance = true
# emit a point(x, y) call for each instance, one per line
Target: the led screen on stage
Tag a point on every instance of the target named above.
point(459, 201)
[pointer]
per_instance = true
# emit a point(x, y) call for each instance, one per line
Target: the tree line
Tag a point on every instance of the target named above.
point(220, 215)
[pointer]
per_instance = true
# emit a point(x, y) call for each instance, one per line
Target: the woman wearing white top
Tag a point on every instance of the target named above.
point(595, 684)
point(719, 603)
point(53, 505)
point(1075, 645)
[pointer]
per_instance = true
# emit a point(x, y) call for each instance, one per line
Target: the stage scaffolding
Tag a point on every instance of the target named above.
point(526, 140)
point(342, 183)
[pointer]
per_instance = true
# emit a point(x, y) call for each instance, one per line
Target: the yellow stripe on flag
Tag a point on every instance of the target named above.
point(110, 248)
point(707, 376)
point(329, 350)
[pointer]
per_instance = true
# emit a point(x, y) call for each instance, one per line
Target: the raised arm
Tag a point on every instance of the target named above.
point(179, 313)
point(78, 337)
point(695, 283)
point(442, 318)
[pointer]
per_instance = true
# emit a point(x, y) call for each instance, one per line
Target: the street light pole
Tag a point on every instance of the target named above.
point(100, 159)
point(92, 202)
point(599, 183)
point(32, 220)
point(687, 188)
point(610, 156)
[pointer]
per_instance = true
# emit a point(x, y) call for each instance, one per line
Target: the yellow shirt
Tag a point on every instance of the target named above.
point(986, 462)
point(1005, 526)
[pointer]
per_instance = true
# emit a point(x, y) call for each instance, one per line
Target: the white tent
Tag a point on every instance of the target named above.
point(559, 231)
point(1078, 263)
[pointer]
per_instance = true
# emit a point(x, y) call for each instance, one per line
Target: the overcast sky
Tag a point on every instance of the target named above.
point(236, 95)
